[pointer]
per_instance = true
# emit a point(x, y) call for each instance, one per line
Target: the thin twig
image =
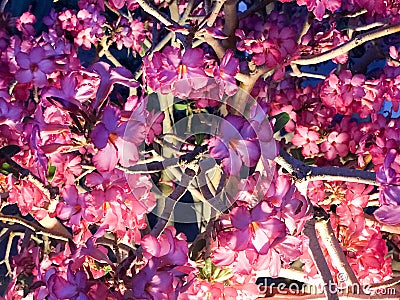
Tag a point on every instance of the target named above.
point(172, 200)
point(111, 58)
point(256, 7)
point(34, 228)
point(215, 11)
point(386, 284)
point(151, 167)
point(6, 259)
point(148, 8)
point(297, 73)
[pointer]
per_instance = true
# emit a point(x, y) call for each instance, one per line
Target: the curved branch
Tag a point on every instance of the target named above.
point(346, 47)
point(304, 173)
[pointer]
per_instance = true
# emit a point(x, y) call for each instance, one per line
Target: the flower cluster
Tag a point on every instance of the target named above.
point(273, 46)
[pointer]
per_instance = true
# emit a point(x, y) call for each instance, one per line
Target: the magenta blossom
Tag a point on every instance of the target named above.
point(307, 138)
point(161, 278)
point(75, 287)
point(171, 247)
point(34, 66)
point(387, 176)
point(318, 7)
point(257, 229)
point(225, 74)
point(76, 207)
point(336, 144)
point(118, 141)
point(341, 92)
point(170, 71)
point(242, 140)
point(236, 143)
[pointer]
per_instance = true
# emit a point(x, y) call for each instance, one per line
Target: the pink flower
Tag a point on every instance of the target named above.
point(352, 86)
point(242, 140)
point(274, 47)
point(29, 198)
point(342, 92)
point(85, 38)
point(154, 123)
point(76, 207)
point(34, 67)
point(256, 228)
point(365, 249)
point(117, 141)
point(162, 277)
point(306, 138)
point(171, 247)
point(225, 74)
point(108, 78)
point(389, 190)
point(318, 6)
point(10, 112)
point(68, 20)
point(336, 144)
point(75, 287)
point(25, 24)
point(202, 289)
point(235, 144)
point(130, 34)
point(170, 71)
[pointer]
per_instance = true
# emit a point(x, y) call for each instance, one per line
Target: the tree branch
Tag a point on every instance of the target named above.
point(346, 47)
point(324, 228)
point(304, 173)
point(148, 8)
point(214, 13)
point(173, 198)
point(231, 23)
point(35, 228)
point(319, 260)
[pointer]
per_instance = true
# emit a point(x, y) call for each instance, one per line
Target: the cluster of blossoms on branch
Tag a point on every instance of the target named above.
point(85, 150)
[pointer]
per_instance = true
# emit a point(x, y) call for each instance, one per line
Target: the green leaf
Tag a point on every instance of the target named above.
point(224, 274)
point(107, 269)
point(296, 153)
point(5, 169)
point(280, 121)
point(180, 106)
point(207, 268)
point(199, 138)
point(50, 172)
point(309, 161)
